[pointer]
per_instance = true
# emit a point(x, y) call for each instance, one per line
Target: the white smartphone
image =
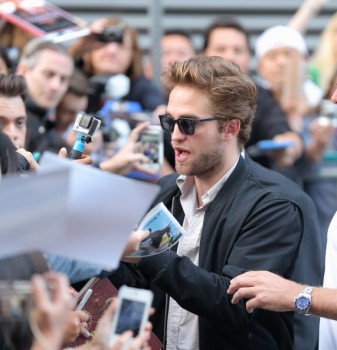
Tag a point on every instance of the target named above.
point(132, 312)
point(151, 145)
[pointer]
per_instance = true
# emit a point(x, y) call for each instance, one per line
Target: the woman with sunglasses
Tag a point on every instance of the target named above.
point(113, 49)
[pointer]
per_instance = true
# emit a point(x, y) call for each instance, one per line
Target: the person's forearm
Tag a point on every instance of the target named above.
point(108, 165)
point(304, 14)
point(323, 300)
point(324, 303)
point(76, 49)
point(315, 151)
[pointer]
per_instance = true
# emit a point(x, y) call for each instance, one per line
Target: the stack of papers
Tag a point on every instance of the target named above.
point(71, 210)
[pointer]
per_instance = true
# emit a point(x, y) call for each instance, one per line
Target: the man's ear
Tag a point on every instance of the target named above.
point(231, 128)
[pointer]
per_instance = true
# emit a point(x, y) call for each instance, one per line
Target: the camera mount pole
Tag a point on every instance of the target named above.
point(78, 148)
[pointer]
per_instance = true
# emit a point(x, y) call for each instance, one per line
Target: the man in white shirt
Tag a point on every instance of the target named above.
point(235, 217)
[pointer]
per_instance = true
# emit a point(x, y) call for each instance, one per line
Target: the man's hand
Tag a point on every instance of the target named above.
point(133, 245)
point(76, 325)
point(322, 134)
point(265, 290)
point(52, 307)
point(33, 165)
point(128, 158)
point(89, 43)
point(103, 332)
point(86, 160)
point(287, 157)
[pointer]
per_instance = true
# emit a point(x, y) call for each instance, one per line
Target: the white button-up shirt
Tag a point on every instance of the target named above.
point(182, 325)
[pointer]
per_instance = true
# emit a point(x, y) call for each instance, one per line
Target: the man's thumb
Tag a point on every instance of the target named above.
point(63, 152)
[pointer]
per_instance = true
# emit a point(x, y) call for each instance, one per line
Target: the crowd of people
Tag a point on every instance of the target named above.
point(260, 223)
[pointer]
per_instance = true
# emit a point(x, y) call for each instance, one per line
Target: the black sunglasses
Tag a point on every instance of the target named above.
point(186, 125)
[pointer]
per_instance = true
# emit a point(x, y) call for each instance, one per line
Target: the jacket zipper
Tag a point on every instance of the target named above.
point(166, 295)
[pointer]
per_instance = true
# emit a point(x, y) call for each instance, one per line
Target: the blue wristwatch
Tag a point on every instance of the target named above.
point(303, 301)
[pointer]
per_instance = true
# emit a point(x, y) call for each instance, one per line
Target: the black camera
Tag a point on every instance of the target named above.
point(22, 163)
point(111, 35)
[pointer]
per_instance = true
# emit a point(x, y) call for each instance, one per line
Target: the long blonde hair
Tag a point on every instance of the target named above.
point(325, 56)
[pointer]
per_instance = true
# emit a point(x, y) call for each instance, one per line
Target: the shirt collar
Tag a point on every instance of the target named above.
point(186, 184)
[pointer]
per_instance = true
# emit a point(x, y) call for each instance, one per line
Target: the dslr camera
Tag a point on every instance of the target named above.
point(111, 35)
point(85, 127)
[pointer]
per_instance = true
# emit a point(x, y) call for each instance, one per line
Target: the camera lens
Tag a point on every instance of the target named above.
point(85, 121)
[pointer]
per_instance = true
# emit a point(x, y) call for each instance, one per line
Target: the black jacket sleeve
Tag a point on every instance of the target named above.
point(267, 240)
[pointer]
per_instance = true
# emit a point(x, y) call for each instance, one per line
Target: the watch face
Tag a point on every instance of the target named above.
point(302, 303)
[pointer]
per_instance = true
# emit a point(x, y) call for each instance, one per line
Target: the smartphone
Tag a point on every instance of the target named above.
point(151, 145)
point(270, 145)
point(132, 312)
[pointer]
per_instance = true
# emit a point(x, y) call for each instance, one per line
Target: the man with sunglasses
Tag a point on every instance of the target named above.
point(235, 217)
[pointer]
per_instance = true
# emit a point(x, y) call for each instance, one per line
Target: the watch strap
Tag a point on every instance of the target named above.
point(308, 289)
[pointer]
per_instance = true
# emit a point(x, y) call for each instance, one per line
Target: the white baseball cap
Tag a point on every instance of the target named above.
point(279, 36)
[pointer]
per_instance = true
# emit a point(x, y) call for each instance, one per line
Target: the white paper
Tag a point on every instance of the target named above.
point(32, 210)
point(102, 210)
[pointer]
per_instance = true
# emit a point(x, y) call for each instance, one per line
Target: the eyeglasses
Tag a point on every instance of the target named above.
point(186, 125)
